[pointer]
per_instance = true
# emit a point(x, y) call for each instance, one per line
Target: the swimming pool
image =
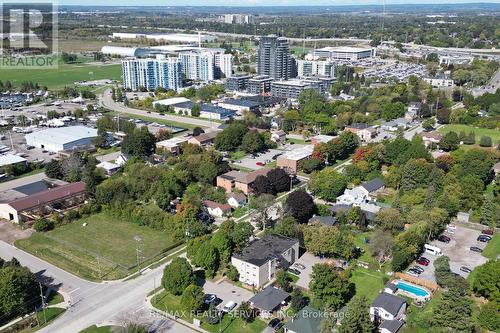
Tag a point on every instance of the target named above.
point(413, 289)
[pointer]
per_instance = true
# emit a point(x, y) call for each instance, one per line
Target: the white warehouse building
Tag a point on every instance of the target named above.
point(62, 138)
point(125, 51)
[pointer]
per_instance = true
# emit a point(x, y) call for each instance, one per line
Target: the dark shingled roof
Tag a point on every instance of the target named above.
point(48, 196)
point(391, 286)
point(326, 220)
point(388, 302)
point(392, 326)
point(269, 298)
point(268, 247)
point(373, 185)
point(307, 320)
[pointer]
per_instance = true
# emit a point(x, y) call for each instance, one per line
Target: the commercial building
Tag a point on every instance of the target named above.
point(237, 82)
point(273, 57)
point(152, 73)
point(240, 105)
point(171, 101)
point(455, 60)
point(291, 159)
point(175, 38)
point(11, 160)
point(258, 262)
point(210, 111)
point(260, 84)
point(341, 53)
point(326, 68)
point(291, 89)
point(43, 203)
point(125, 51)
point(62, 138)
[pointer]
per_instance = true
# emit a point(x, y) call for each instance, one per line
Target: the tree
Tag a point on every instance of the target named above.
point(298, 300)
point(328, 241)
point(246, 312)
point(197, 131)
point(300, 205)
point(262, 185)
point(485, 141)
point(286, 226)
point(279, 180)
point(252, 142)
point(232, 273)
point(207, 257)
point(231, 137)
point(310, 165)
point(331, 290)
point(453, 312)
point(489, 212)
point(192, 298)
point(381, 244)
point(283, 280)
point(53, 169)
point(327, 184)
point(18, 290)
point(390, 219)
point(43, 225)
point(262, 205)
point(139, 143)
point(485, 282)
point(428, 124)
point(357, 319)
point(241, 234)
point(195, 110)
point(488, 316)
point(177, 276)
point(449, 141)
point(222, 243)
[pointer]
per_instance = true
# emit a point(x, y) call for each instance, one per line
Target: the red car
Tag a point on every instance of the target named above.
point(260, 164)
point(423, 261)
point(487, 231)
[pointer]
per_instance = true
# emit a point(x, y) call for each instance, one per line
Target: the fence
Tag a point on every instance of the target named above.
point(424, 283)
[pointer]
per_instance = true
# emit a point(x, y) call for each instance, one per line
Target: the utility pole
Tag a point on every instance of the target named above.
point(138, 251)
point(43, 302)
point(99, 267)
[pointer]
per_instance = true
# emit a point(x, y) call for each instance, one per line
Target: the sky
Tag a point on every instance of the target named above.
point(255, 2)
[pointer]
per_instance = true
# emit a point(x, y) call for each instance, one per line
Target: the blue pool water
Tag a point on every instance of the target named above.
point(412, 289)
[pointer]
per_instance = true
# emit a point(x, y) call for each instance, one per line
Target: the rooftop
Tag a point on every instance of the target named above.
point(392, 326)
point(264, 249)
point(213, 205)
point(373, 185)
point(8, 159)
point(63, 135)
point(323, 138)
point(326, 220)
point(307, 320)
point(388, 302)
point(171, 101)
point(298, 154)
point(241, 102)
point(173, 142)
point(269, 298)
point(344, 49)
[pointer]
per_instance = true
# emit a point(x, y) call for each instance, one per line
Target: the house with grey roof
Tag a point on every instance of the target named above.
point(307, 320)
point(325, 220)
point(388, 307)
point(258, 262)
point(374, 186)
point(269, 300)
point(390, 326)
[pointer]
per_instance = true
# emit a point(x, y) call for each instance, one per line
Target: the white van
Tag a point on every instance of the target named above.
point(229, 306)
point(434, 250)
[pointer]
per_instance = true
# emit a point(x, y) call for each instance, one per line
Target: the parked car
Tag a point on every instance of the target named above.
point(423, 261)
point(229, 306)
point(444, 239)
point(413, 270)
point(418, 269)
point(484, 238)
point(294, 271)
point(274, 322)
point(260, 164)
point(278, 328)
point(412, 273)
point(488, 232)
point(209, 298)
point(450, 231)
point(451, 227)
point(465, 269)
point(299, 266)
point(476, 249)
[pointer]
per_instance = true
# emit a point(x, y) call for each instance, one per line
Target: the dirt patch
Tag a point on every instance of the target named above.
point(10, 232)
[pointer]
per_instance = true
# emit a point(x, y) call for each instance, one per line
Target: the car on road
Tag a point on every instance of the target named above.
point(488, 232)
point(274, 322)
point(299, 266)
point(484, 238)
point(423, 261)
point(294, 271)
point(444, 239)
point(476, 249)
point(229, 306)
point(465, 269)
point(209, 298)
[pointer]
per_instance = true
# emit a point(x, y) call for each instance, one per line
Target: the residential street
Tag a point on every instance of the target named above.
point(106, 101)
point(91, 302)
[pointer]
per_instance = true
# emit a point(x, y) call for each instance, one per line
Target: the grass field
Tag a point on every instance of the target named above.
point(95, 329)
point(77, 249)
point(494, 134)
point(50, 315)
point(417, 320)
point(157, 120)
point(368, 283)
point(230, 324)
point(492, 250)
point(65, 75)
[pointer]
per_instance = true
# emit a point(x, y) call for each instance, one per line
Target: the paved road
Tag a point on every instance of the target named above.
point(91, 302)
point(106, 101)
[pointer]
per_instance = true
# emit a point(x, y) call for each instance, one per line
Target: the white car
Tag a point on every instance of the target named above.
point(450, 231)
point(451, 227)
point(229, 306)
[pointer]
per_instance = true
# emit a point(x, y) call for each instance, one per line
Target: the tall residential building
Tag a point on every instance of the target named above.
point(223, 65)
point(237, 82)
point(198, 66)
point(273, 57)
point(307, 68)
point(152, 73)
point(238, 19)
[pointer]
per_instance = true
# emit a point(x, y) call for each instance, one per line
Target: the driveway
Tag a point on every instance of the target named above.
point(458, 250)
point(227, 292)
point(308, 260)
point(250, 162)
point(10, 232)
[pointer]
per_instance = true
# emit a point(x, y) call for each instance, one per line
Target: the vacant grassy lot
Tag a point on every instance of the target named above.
point(494, 134)
point(104, 249)
point(368, 283)
point(65, 75)
point(230, 324)
point(492, 250)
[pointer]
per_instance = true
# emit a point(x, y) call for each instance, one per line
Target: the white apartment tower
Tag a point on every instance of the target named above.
point(206, 65)
point(223, 65)
point(152, 73)
point(306, 68)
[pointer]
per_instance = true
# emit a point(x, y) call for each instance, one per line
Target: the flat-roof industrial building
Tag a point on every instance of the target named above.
point(341, 53)
point(62, 138)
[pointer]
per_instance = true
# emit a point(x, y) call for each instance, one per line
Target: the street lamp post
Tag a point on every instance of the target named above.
point(138, 251)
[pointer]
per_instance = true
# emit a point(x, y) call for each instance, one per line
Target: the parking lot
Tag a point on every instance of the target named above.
point(250, 162)
point(308, 260)
point(458, 250)
point(227, 292)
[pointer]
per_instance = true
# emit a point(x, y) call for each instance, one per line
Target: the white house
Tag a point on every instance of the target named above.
point(388, 307)
point(258, 262)
point(236, 199)
point(216, 209)
point(357, 196)
point(109, 168)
